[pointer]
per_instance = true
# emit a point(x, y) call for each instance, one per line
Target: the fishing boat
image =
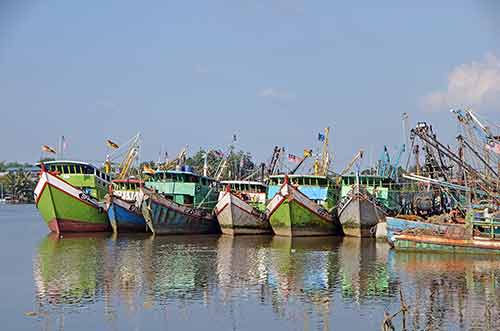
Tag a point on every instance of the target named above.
point(69, 195)
point(479, 235)
point(123, 205)
point(301, 205)
point(180, 202)
point(400, 223)
point(241, 208)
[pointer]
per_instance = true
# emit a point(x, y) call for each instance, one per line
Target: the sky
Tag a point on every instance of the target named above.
point(275, 72)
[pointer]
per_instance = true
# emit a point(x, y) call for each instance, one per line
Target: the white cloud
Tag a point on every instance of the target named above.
point(476, 84)
point(271, 92)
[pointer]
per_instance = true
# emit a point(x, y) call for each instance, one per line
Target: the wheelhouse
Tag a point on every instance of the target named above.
point(245, 186)
point(83, 175)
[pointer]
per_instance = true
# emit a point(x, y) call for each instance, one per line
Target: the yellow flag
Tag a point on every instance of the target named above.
point(147, 169)
point(112, 144)
point(48, 149)
point(308, 152)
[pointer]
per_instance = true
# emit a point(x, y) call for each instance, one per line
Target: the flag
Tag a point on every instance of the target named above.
point(493, 146)
point(321, 137)
point(64, 143)
point(147, 169)
point(308, 152)
point(294, 158)
point(111, 144)
point(48, 149)
point(219, 153)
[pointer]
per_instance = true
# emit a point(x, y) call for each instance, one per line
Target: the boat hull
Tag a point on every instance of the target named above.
point(396, 225)
point(292, 214)
point(125, 216)
point(165, 216)
point(359, 217)
point(427, 243)
point(66, 208)
point(235, 217)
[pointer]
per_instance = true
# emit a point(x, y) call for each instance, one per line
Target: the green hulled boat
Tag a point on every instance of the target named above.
point(69, 196)
point(302, 205)
point(180, 202)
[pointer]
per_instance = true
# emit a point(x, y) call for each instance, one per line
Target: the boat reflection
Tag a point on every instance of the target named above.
point(451, 289)
point(132, 273)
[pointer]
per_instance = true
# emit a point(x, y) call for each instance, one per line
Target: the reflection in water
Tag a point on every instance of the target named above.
point(451, 290)
point(310, 281)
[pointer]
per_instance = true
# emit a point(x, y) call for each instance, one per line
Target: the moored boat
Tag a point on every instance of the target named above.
point(401, 223)
point(123, 205)
point(366, 201)
point(180, 202)
point(300, 205)
point(477, 236)
point(69, 196)
point(241, 208)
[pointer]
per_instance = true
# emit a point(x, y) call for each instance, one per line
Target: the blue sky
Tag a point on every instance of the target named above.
point(273, 71)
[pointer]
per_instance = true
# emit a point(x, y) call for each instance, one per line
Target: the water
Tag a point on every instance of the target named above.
point(136, 282)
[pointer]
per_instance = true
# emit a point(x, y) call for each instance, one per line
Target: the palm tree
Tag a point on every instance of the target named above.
point(20, 186)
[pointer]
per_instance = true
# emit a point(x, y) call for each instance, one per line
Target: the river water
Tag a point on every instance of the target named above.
point(140, 282)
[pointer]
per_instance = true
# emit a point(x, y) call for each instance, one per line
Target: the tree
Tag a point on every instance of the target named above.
point(19, 186)
point(239, 164)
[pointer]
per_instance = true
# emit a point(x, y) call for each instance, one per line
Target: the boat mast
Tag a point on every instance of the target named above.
point(321, 168)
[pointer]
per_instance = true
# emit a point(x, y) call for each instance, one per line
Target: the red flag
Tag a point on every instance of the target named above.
point(294, 158)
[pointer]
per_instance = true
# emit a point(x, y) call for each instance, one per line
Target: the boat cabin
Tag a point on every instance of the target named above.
point(130, 184)
point(321, 189)
point(184, 187)
point(245, 186)
point(83, 175)
point(383, 188)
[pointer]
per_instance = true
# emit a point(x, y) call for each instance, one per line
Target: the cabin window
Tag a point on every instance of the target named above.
point(65, 169)
point(204, 181)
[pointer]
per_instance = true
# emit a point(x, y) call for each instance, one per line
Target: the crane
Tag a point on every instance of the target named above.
point(358, 156)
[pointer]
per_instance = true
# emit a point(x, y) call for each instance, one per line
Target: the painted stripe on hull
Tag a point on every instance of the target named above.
point(440, 244)
point(61, 226)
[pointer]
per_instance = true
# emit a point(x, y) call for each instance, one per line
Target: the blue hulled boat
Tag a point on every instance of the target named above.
point(124, 207)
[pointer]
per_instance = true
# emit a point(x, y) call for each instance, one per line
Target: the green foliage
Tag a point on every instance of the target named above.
point(4, 165)
point(19, 186)
point(239, 164)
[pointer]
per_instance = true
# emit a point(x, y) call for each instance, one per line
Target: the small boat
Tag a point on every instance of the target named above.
point(69, 195)
point(241, 208)
point(300, 205)
point(400, 223)
point(477, 236)
point(123, 205)
point(180, 202)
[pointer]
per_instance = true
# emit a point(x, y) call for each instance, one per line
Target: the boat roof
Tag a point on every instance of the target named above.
point(368, 176)
point(180, 172)
point(65, 162)
point(297, 176)
point(242, 182)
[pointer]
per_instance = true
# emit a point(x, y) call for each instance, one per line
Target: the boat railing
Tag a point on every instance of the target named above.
point(486, 226)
